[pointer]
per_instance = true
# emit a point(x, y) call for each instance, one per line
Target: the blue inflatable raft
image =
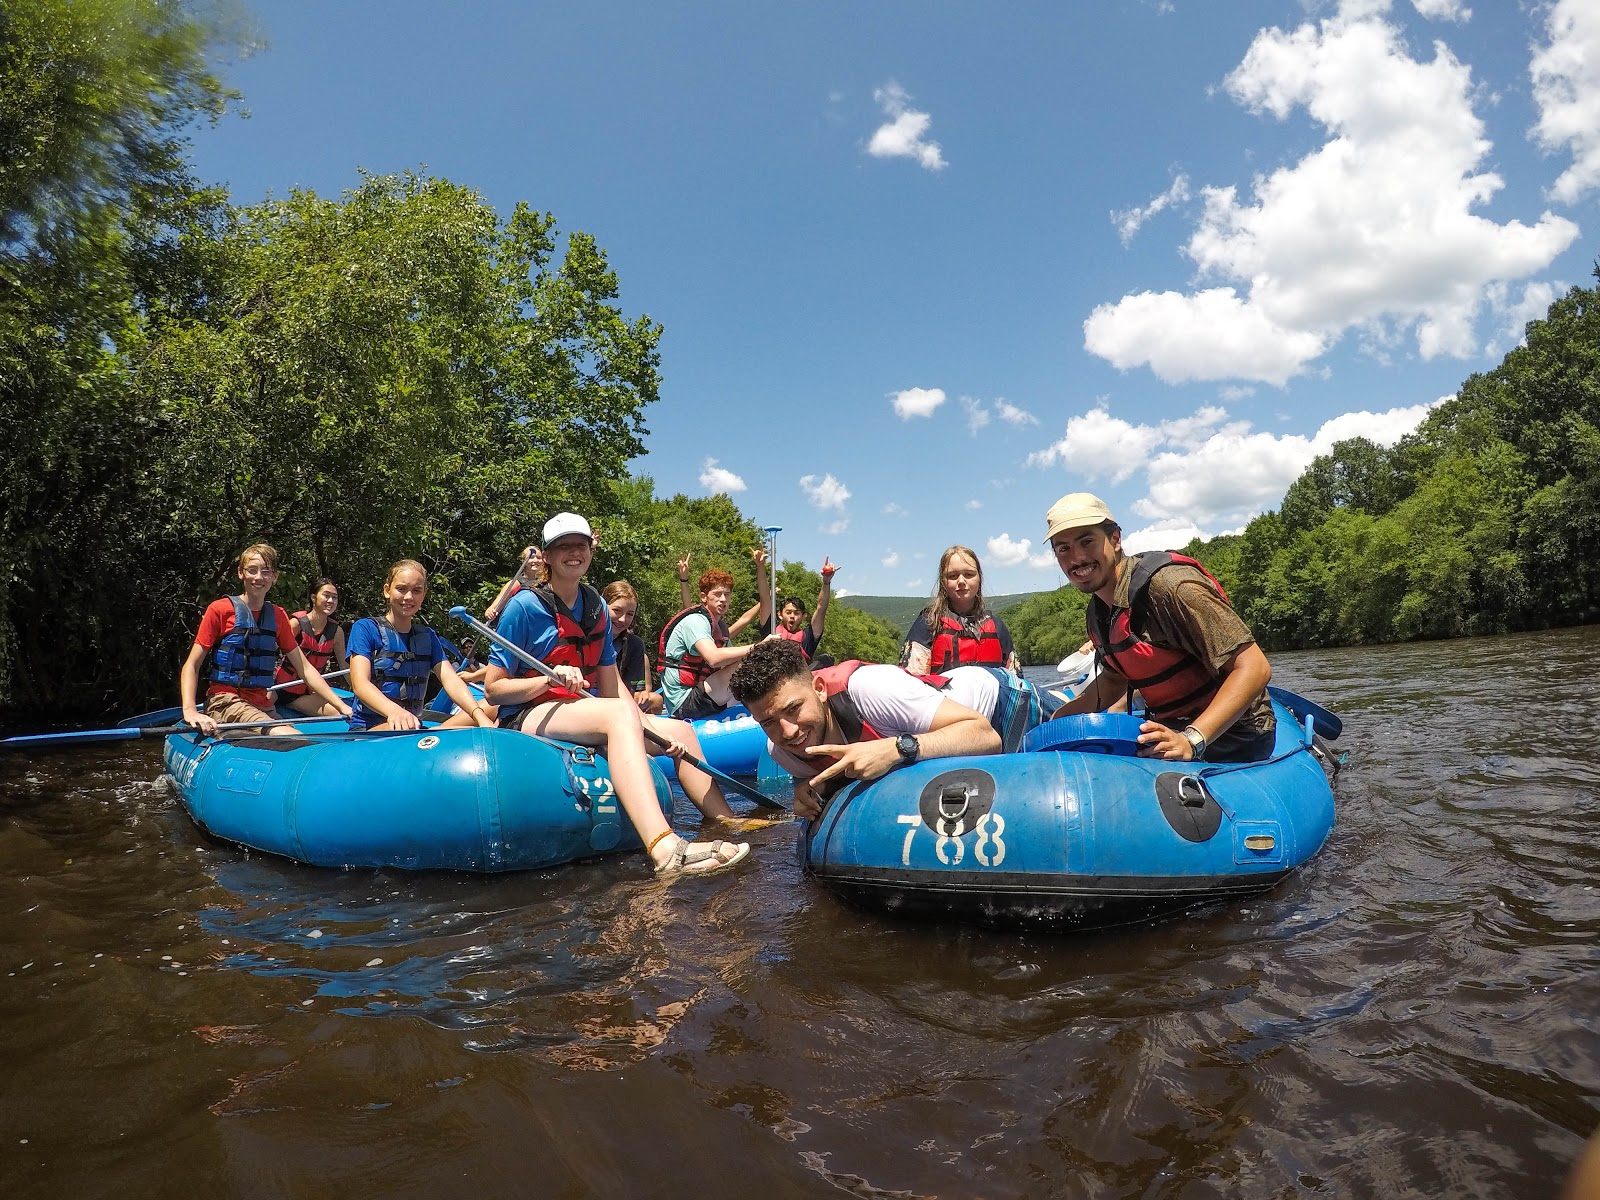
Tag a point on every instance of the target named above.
point(1075, 832)
point(453, 799)
point(732, 742)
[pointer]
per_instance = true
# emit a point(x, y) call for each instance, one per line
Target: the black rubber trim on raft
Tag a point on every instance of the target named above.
point(1073, 908)
point(1034, 883)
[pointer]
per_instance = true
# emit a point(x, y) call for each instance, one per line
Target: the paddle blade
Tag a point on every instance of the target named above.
point(43, 741)
point(1323, 721)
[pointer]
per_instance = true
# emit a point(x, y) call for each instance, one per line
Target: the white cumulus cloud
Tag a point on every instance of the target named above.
point(1011, 553)
point(1098, 445)
point(1443, 10)
point(1237, 471)
point(1566, 87)
point(719, 479)
point(1012, 415)
point(916, 402)
point(903, 135)
point(974, 505)
point(824, 493)
point(1171, 534)
point(892, 509)
point(891, 559)
point(1374, 231)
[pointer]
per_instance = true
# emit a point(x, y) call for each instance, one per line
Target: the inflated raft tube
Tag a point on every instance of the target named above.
point(732, 741)
point(1076, 832)
point(451, 799)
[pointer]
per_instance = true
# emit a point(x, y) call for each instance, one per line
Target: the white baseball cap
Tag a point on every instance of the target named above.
point(563, 524)
point(1076, 510)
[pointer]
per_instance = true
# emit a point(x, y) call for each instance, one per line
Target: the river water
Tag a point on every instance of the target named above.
point(1414, 1013)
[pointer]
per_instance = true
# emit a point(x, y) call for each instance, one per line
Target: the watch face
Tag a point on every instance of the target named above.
point(908, 747)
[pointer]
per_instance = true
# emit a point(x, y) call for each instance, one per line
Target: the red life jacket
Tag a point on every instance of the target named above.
point(956, 645)
point(798, 637)
point(1174, 683)
point(318, 651)
point(580, 635)
point(691, 668)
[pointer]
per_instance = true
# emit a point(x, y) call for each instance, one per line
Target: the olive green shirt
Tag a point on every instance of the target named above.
point(1182, 611)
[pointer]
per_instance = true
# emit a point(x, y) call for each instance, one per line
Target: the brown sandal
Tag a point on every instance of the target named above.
point(703, 858)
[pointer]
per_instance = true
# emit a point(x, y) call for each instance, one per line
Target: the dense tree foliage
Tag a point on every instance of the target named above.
point(95, 192)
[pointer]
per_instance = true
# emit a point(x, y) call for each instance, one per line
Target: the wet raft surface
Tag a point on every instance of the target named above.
point(1413, 1013)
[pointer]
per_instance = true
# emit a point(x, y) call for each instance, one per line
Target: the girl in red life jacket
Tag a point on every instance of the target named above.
point(957, 629)
point(566, 625)
point(322, 642)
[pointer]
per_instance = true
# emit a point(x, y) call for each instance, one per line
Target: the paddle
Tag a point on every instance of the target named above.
point(167, 716)
point(123, 733)
point(325, 675)
point(460, 613)
point(1323, 721)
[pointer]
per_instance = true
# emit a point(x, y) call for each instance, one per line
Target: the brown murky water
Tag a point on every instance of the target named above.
point(1415, 1013)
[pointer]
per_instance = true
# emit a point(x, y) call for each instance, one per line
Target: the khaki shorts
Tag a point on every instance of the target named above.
point(228, 709)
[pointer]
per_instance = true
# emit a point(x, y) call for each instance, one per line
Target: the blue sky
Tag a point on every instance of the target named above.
point(923, 268)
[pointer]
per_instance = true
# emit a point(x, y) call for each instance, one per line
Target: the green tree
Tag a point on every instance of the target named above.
point(95, 96)
point(1049, 626)
point(397, 373)
point(1356, 475)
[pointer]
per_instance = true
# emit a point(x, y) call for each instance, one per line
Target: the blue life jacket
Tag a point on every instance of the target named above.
point(401, 668)
point(247, 655)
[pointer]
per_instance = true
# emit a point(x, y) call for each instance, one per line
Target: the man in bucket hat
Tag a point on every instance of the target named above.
point(1162, 625)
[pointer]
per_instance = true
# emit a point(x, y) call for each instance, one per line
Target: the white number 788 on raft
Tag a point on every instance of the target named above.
point(989, 849)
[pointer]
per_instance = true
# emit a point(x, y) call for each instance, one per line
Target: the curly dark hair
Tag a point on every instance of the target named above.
point(765, 668)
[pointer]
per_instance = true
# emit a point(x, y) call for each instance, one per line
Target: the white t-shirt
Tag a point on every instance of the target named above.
point(893, 702)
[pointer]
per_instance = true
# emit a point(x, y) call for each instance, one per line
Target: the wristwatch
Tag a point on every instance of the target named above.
point(1196, 740)
point(910, 749)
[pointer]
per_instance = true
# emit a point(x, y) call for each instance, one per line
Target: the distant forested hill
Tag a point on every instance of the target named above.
point(900, 611)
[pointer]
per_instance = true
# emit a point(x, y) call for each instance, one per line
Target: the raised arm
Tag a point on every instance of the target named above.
point(819, 616)
point(761, 610)
point(685, 588)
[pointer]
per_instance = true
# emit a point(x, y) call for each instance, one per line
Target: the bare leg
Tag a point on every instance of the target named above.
point(701, 788)
point(312, 706)
point(614, 723)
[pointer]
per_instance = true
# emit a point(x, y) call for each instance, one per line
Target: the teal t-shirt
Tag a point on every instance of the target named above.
point(693, 628)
